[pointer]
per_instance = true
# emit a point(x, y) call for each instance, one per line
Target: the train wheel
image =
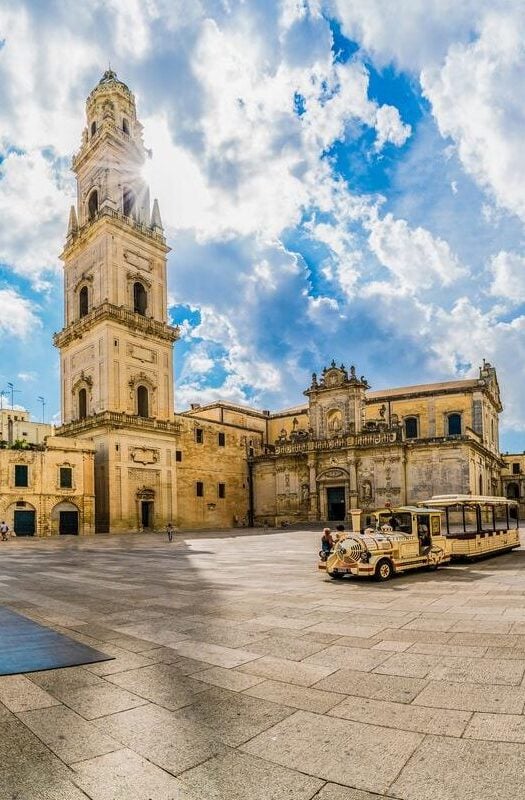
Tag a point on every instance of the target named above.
point(336, 575)
point(384, 570)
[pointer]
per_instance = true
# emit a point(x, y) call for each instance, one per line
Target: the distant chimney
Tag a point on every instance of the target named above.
point(193, 406)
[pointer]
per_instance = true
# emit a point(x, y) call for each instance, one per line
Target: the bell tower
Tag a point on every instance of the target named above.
point(116, 347)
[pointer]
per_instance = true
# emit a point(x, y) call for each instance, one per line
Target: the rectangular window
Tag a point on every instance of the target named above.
point(222, 439)
point(21, 475)
point(199, 489)
point(199, 435)
point(66, 477)
point(516, 469)
point(178, 455)
point(222, 490)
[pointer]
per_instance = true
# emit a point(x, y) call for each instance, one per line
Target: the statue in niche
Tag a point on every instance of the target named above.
point(334, 421)
point(366, 491)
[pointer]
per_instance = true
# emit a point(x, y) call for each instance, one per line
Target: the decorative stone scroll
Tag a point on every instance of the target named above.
point(144, 455)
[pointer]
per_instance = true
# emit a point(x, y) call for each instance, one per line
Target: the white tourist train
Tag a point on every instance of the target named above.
point(431, 534)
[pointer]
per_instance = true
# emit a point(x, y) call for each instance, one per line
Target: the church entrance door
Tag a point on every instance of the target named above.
point(146, 513)
point(335, 497)
point(68, 523)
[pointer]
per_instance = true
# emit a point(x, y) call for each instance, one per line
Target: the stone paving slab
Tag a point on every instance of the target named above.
point(402, 716)
point(163, 684)
point(300, 674)
point(496, 727)
point(332, 791)
point(295, 696)
point(67, 734)
point(449, 769)
point(233, 716)
point(156, 734)
point(368, 757)
point(469, 697)
point(18, 693)
point(239, 776)
point(349, 657)
point(123, 775)
point(378, 687)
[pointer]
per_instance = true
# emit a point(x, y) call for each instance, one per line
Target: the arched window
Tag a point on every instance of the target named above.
point(513, 491)
point(454, 424)
point(411, 427)
point(93, 204)
point(142, 401)
point(93, 128)
point(82, 404)
point(140, 299)
point(83, 302)
point(128, 202)
point(125, 126)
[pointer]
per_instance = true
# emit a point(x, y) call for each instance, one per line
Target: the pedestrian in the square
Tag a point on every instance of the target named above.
point(4, 530)
point(169, 531)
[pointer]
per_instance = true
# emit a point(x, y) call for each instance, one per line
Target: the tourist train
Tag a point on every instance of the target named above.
point(431, 534)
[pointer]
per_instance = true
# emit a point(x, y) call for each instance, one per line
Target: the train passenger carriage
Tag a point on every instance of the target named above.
point(477, 526)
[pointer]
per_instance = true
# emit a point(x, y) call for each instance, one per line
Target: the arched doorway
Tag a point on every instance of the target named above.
point(146, 508)
point(24, 519)
point(66, 519)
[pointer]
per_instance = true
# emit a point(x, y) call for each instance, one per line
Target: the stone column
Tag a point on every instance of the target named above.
point(313, 512)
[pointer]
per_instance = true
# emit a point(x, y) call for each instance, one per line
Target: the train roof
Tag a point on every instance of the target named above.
point(442, 500)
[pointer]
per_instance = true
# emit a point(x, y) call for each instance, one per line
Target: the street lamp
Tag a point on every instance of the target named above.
point(12, 390)
point(42, 400)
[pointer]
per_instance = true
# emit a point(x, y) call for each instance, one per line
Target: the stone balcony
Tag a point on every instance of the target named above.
point(117, 419)
point(122, 315)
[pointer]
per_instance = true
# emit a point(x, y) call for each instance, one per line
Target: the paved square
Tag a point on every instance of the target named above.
point(240, 672)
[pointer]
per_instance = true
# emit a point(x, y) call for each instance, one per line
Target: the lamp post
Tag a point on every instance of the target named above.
point(42, 400)
point(12, 391)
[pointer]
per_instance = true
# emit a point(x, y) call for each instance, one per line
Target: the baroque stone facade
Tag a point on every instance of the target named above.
point(353, 448)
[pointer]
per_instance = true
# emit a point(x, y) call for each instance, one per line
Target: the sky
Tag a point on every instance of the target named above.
point(337, 180)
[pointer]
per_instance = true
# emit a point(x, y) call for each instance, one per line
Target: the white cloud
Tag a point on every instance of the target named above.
point(416, 258)
point(390, 127)
point(33, 208)
point(17, 317)
point(411, 34)
point(508, 270)
point(476, 101)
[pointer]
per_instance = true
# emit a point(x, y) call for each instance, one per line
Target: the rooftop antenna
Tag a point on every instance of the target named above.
point(42, 400)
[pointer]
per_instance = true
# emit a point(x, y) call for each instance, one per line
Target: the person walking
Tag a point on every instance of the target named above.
point(169, 531)
point(4, 530)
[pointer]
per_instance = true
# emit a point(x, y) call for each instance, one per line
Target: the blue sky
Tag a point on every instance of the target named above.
point(337, 180)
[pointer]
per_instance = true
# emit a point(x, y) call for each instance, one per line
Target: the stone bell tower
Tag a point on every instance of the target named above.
point(116, 345)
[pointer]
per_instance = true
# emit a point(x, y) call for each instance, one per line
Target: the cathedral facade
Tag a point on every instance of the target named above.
point(221, 465)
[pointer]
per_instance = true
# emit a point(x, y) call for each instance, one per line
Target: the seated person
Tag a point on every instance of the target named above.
point(327, 543)
point(422, 532)
point(394, 522)
point(340, 532)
